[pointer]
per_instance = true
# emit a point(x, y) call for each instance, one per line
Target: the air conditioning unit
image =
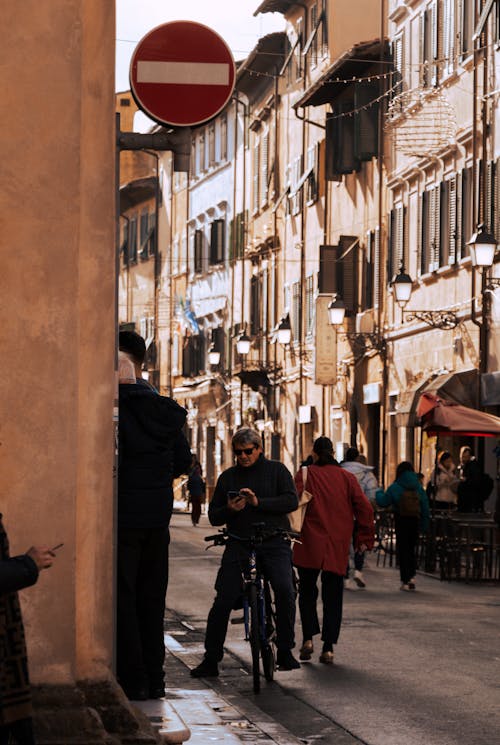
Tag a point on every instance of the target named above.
point(365, 322)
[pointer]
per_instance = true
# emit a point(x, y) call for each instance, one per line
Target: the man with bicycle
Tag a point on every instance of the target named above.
point(255, 490)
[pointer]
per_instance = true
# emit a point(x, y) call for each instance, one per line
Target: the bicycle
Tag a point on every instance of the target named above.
point(259, 614)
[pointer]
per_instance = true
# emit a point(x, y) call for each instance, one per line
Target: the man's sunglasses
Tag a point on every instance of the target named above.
point(247, 451)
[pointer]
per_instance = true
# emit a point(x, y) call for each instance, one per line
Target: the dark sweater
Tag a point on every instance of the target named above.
point(152, 452)
point(274, 487)
point(16, 573)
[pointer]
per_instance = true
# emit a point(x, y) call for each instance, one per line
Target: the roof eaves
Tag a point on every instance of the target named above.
point(275, 6)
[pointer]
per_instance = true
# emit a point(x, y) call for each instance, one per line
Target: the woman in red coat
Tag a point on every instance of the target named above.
point(326, 535)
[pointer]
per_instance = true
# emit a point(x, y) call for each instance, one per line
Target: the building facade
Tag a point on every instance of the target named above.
point(358, 148)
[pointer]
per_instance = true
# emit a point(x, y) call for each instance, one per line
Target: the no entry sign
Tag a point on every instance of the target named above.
point(182, 74)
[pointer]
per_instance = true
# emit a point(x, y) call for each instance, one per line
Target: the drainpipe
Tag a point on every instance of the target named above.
point(382, 274)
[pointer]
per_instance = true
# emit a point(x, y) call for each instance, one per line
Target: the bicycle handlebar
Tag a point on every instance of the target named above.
point(224, 535)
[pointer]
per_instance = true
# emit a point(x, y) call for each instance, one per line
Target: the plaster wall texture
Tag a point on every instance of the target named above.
point(58, 310)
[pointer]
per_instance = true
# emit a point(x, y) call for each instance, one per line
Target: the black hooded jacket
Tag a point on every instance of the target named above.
point(152, 451)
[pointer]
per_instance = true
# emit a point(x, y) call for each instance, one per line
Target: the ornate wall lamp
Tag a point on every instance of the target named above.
point(402, 285)
point(483, 247)
point(366, 342)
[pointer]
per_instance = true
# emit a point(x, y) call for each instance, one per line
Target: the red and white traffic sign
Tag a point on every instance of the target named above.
point(182, 74)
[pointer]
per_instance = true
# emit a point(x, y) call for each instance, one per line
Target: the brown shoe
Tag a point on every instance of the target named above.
point(306, 650)
point(326, 658)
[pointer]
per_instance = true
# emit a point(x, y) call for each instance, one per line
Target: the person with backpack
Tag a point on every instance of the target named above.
point(355, 463)
point(411, 515)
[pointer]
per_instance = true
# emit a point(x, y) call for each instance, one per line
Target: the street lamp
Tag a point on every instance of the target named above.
point(402, 285)
point(243, 344)
point(482, 246)
point(213, 356)
point(336, 311)
point(284, 330)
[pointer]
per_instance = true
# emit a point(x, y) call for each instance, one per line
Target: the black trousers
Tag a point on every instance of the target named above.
point(275, 558)
point(20, 732)
point(332, 594)
point(142, 578)
point(406, 545)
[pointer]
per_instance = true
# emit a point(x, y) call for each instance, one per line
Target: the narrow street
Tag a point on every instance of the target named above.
point(410, 669)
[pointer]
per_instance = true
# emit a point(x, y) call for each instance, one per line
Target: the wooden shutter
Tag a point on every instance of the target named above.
point(366, 120)
point(391, 242)
point(327, 275)
point(488, 211)
point(452, 220)
point(367, 285)
point(424, 233)
point(331, 174)
point(198, 251)
point(264, 169)
point(344, 158)
point(296, 311)
point(217, 230)
point(496, 192)
point(347, 272)
point(255, 176)
point(376, 268)
point(255, 305)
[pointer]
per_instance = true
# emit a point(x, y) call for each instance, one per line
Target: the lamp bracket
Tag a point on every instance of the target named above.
point(492, 283)
point(366, 342)
point(438, 319)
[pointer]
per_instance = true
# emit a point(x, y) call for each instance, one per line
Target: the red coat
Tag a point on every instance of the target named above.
point(328, 526)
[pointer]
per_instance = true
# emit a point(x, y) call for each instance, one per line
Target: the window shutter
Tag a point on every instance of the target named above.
point(490, 175)
point(422, 49)
point(255, 184)
point(264, 169)
point(458, 217)
point(347, 274)
point(327, 273)
point(344, 158)
point(400, 240)
point(391, 242)
point(217, 241)
point(376, 268)
point(424, 253)
point(366, 120)
point(496, 192)
point(367, 285)
point(435, 228)
point(152, 234)
point(452, 220)
point(434, 30)
point(444, 228)
point(255, 306)
point(198, 251)
point(330, 173)
point(132, 239)
point(467, 218)
point(296, 312)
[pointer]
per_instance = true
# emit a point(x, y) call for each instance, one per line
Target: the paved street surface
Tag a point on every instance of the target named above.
point(410, 669)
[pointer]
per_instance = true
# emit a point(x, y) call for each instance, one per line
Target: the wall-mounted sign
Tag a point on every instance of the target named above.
point(325, 355)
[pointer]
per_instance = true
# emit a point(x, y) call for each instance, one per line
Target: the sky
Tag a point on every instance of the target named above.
point(232, 19)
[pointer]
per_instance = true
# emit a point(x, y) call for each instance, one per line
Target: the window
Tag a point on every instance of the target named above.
point(255, 305)
point(198, 251)
point(368, 272)
point(430, 230)
point(193, 355)
point(202, 162)
point(447, 23)
point(264, 170)
point(309, 298)
point(398, 62)
point(396, 255)
point(296, 318)
point(464, 210)
point(429, 45)
point(237, 236)
point(152, 234)
point(217, 241)
point(255, 176)
point(132, 240)
point(298, 51)
point(175, 255)
point(313, 169)
point(466, 26)
point(311, 46)
point(223, 137)
point(193, 164)
point(211, 145)
point(295, 200)
point(448, 222)
point(219, 343)
point(338, 271)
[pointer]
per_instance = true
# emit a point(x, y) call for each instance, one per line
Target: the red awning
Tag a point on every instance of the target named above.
point(440, 416)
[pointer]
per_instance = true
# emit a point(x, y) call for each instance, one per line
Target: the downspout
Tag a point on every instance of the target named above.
point(382, 278)
point(157, 259)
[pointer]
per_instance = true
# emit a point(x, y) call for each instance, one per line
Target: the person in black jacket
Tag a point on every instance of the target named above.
point(16, 573)
point(264, 492)
point(152, 451)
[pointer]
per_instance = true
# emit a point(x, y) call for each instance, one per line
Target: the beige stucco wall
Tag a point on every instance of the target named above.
point(58, 323)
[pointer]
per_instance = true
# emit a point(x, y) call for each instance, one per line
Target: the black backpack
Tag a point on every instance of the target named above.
point(409, 503)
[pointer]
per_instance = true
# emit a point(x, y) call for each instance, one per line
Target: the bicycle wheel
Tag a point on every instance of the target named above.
point(268, 648)
point(254, 636)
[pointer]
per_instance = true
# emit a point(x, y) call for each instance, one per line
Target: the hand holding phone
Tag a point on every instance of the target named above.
point(235, 500)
